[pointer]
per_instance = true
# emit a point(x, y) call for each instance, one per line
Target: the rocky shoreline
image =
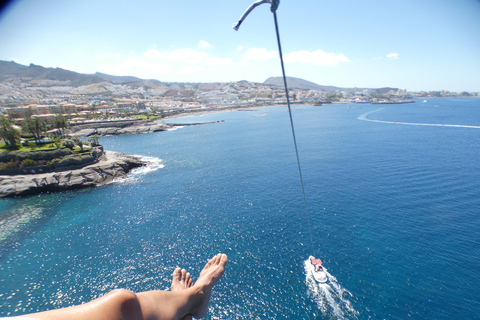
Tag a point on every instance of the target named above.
point(109, 128)
point(94, 172)
point(111, 166)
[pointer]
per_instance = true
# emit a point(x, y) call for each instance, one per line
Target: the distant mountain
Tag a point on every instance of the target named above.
point(15, 70)
point(299, 84)
point(10, 69)
point(304, 84)
point(117, 79)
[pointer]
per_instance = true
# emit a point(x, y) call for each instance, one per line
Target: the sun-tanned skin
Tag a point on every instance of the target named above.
point(184, 300)
point(181, 280)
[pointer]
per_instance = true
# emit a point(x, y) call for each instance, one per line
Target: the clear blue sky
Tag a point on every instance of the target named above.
point(409, 44)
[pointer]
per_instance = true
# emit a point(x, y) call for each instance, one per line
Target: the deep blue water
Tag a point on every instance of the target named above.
point(394, 211)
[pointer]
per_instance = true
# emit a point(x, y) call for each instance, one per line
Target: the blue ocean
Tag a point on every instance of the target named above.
point(393, 196)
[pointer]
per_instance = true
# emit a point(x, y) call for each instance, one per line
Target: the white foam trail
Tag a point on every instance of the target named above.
point(331, 298)
point(364, 118)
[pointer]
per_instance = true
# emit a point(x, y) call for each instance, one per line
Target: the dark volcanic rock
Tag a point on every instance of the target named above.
point(112, 166)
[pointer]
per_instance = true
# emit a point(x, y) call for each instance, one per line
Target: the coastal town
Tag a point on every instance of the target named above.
point(46, 93)
point(47, 98)
point(51, 119)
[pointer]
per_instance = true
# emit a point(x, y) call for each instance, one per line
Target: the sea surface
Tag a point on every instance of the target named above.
point(393, 196)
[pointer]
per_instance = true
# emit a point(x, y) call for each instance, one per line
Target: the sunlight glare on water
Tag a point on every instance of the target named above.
point(393, 206)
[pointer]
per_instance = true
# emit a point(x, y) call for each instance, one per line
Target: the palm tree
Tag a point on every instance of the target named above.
point(35, 126)
point(8, 133)
point(60, 122)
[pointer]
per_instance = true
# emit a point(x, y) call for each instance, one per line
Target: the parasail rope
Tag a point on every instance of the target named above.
point(273, 9)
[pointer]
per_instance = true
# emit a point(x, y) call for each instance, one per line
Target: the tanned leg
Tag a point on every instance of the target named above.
point(151, 305)
point(181, 280)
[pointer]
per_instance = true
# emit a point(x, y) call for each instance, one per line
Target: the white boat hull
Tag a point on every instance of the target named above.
point(318, 275)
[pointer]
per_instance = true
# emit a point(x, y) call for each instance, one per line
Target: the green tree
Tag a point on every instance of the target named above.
point(8, 133)
point(61, 123)
point(78, 142)
point(333, 97)
point(56, 141)
point(81, 145)
point(93, 140)
point(69, 144)
point(35, 126)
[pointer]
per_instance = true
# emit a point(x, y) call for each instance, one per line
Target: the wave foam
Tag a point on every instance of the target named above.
point(153, 164)
point(175, 128)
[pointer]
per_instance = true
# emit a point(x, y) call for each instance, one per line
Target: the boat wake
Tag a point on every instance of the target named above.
point(363, 117)
point(331, 298)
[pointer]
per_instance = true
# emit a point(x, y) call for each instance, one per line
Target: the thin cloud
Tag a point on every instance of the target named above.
point(214, 61)
point(239, 48)
point(192, 69)
point(219, 61)
point(189, 56)
point(393, 55)
point(317, 58)
point(66, 67)
point(260, 54)
point(170, 64)
point(204, 44)
point(136, 66)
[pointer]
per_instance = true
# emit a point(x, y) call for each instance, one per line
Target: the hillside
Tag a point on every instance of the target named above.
point(15, 70)
point(11, 70)
point(117, 79)
point(298, 83)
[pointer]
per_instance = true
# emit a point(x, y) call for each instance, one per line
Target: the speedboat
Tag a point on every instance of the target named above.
point(315, 267)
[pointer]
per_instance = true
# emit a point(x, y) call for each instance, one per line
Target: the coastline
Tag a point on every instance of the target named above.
point(203, 112)
point(112, 165)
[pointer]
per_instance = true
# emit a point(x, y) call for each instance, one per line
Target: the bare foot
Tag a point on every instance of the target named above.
point(181, 280)
point(211, 273)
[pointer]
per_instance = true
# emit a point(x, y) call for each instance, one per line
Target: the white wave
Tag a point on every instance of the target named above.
point(363, 117)
point(331, 298)
point(153, 164)
point(175, 128)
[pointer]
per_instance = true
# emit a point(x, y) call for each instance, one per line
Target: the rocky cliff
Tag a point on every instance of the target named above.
point(112, 165)
point(116, 127)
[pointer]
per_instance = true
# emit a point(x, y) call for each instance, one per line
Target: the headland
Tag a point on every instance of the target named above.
point(106, 167)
